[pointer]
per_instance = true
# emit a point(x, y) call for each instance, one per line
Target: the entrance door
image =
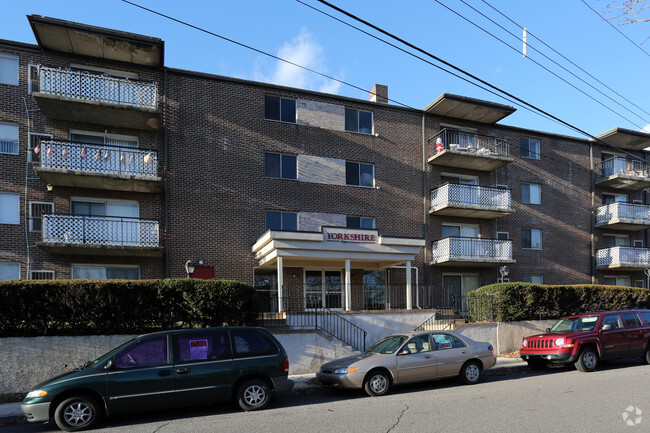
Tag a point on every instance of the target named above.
point(323, 289)
point(456, 288)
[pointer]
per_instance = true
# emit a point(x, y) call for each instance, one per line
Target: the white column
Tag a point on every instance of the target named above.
point(409, 292)
point(280, 284)
point(348, 286)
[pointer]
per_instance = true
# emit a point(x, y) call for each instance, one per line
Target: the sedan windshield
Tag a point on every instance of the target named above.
point(388, 344)
point(586, 323)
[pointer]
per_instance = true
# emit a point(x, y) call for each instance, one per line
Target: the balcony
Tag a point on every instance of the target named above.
point(470, 201)
point(100, 235)
point(111, 168)
point(623, 216)
point(455, 251)
point(470, 151)
point(623, 258)
point(81, 96)
point(623, 173)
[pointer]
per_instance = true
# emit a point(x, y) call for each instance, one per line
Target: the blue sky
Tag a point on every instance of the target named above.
point(288, 29)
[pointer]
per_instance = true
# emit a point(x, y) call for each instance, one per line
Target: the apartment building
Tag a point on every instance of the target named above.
point(116, 166)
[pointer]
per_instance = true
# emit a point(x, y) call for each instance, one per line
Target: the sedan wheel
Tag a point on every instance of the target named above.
point(77, 413)
point(377, 383)
point(470, 373)
point(253, 395)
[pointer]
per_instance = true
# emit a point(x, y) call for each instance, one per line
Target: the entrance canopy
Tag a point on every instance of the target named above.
point(332, 246)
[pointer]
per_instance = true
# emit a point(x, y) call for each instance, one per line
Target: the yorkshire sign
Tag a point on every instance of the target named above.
point(353, 236)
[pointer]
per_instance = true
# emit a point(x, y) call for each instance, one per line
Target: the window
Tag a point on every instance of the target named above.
point(355, 222)
point(358, 121)
point(281, 220)
point(247, 343)
point(199, 346)
point(533, 278)
point(143, 353)
point(503, 236)
point(612, 198)
point(631, 320)
point(8, 69)
point(531, 193)
point(280, 166)
point(9, 208)
point(104, 139)
point(359, 174)
point(529, 148)
point(446, 341)
point(460, 180)
point(36, 211)
point(617, 281)
point(9, 138)
point(41, 275)
point(460, 230)
point(35, 145)
point(531, 239)
point(34, 79)
point(99, 272)
point(282, 109)
point(9, 271)
point(616, 241)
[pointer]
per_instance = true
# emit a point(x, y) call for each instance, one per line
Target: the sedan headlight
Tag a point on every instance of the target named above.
point(524, 343)
point(345, 370)
point(559, 342)
point(36, 394)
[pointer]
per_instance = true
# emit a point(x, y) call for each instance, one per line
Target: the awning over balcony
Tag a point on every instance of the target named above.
point(626, 138)
point(465, 108)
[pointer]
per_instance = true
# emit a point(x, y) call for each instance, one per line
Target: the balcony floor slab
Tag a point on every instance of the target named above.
point(100, 250)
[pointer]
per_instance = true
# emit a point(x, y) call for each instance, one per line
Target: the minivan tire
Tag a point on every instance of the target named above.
point(76, 413)
point(587, 360)
point(254, 394)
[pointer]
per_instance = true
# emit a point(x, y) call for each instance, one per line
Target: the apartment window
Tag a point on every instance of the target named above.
point(359, 174)
point(503, 236)
point(9, 208)
point(281, 220)
point(460, 180)
point(280, 166)
point(35, 145)
point(529, 148)
point(41, 275)
point(617, 281)
point(533, 278)
point(355, 222)
point(9, 271)
point(36, 211)
point(616, 241)
point(8, 69)
point(612, 198)
point(358, 121)
point(531, 239)
point(9, 138)
point(100, 272)
point(34, 79)
point(282, 109)
point(104, 139)
point(460, 230)
point(531, 193)
point(638, 243)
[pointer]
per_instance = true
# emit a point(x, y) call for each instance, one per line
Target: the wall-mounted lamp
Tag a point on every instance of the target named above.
point(50, 187)
point(189, 268)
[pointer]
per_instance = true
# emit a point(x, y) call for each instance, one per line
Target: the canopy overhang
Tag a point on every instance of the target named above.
point(466, 108)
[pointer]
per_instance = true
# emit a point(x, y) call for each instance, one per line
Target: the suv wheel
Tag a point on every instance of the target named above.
point(646, 357)
point(253, 395)
point(377, 383)
point(470, 373)
point(587, 361)
point(77, 413)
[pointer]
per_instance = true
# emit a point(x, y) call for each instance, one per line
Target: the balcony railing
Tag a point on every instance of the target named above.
point(98, 159)
point(620, 165)
point(95, 87)
point(623, 257)
point(481, 145)
point(628, 212)
point(470, 195)
point(100, 230)
point(471, 249)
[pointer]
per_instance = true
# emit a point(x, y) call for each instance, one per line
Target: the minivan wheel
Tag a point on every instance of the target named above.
point(77, 413)
point(377, 383)
point(253, 395)
point(587, 361)
point(470, 373)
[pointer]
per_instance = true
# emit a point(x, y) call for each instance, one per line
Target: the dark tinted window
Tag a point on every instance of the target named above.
point(289, 167)
point(288, 110)
point(273, 220)
point(352, 173)
point(272, 107)
point(631, 320)
point(272, 164)
point(283, 109)
point(152, 351)
point(248, 343)
point(359, 174)
point(351, 120)
point(613, 320)
point(202, 346)
point(365, 122)
point(358, 121)
point(645, 316)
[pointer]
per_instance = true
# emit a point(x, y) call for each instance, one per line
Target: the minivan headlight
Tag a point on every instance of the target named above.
point(37, 393)
point(345, 370)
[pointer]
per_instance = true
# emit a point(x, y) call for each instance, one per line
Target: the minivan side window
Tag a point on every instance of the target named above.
point(152, 351)
point(247, 343)
point(201, 346)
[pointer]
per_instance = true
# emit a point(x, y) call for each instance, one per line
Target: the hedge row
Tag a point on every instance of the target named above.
point(526, 301)
point(83, 307)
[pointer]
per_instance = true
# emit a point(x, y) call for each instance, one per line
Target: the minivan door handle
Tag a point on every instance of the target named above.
point(165, 373)
point(183, 371)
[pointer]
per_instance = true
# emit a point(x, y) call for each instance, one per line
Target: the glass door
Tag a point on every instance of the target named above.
point(323, 289)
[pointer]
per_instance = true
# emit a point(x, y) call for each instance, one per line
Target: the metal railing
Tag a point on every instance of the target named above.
point(461, 309)
point(470, 195)
point(100, 230)
point(481, 145)
point(471, 249)
point(95, 87)
point(94, 158)
point(639, 213)
point(620, 165)
point(623, 256)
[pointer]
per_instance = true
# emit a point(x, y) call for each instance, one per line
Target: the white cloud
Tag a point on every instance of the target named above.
point(305, 51)
point(646, 128)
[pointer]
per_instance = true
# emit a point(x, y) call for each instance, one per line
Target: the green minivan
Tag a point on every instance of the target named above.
point(163, 370)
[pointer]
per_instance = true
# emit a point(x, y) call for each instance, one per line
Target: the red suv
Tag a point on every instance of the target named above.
point(585, 339)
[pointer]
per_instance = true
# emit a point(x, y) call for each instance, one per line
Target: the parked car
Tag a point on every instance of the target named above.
point(163, 370)
point(585, 339)
point(410, 357)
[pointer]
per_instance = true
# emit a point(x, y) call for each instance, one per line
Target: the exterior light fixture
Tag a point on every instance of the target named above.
point(189, 268)
point(504, 270)
point(50, 187)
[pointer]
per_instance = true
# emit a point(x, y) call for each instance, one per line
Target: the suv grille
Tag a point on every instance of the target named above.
point(546, 343)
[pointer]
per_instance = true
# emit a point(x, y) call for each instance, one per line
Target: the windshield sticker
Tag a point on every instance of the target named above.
point(589, 319)
point(198, 349)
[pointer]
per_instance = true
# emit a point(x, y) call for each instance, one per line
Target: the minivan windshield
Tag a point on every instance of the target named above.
point(584, 323)
point(109, 353)
point(388, 344)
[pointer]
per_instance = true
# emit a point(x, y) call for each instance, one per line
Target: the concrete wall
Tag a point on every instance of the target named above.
point(505, 337)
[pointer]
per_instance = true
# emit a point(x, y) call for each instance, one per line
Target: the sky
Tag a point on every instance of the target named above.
point(291, 30)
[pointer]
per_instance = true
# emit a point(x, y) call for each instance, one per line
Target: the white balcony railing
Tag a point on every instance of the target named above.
point(477, 144)
point(620, 165)
point(632, 212)
point(95, 87)
point(469, 249)
point(470, 195)
point(100, 230)
point(623, 257)
point(98, 159)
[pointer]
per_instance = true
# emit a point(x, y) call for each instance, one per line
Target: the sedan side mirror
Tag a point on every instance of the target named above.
point(404, 352)
point(607, 327)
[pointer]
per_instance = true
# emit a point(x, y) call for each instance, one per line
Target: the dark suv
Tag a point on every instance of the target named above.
point(163, 370)
point(585, 339)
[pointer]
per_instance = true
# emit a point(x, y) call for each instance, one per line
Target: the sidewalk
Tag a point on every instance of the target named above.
point(306, 383)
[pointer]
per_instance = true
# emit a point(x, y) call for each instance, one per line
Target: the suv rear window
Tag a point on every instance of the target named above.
point(631, 320)
point(248, 343)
